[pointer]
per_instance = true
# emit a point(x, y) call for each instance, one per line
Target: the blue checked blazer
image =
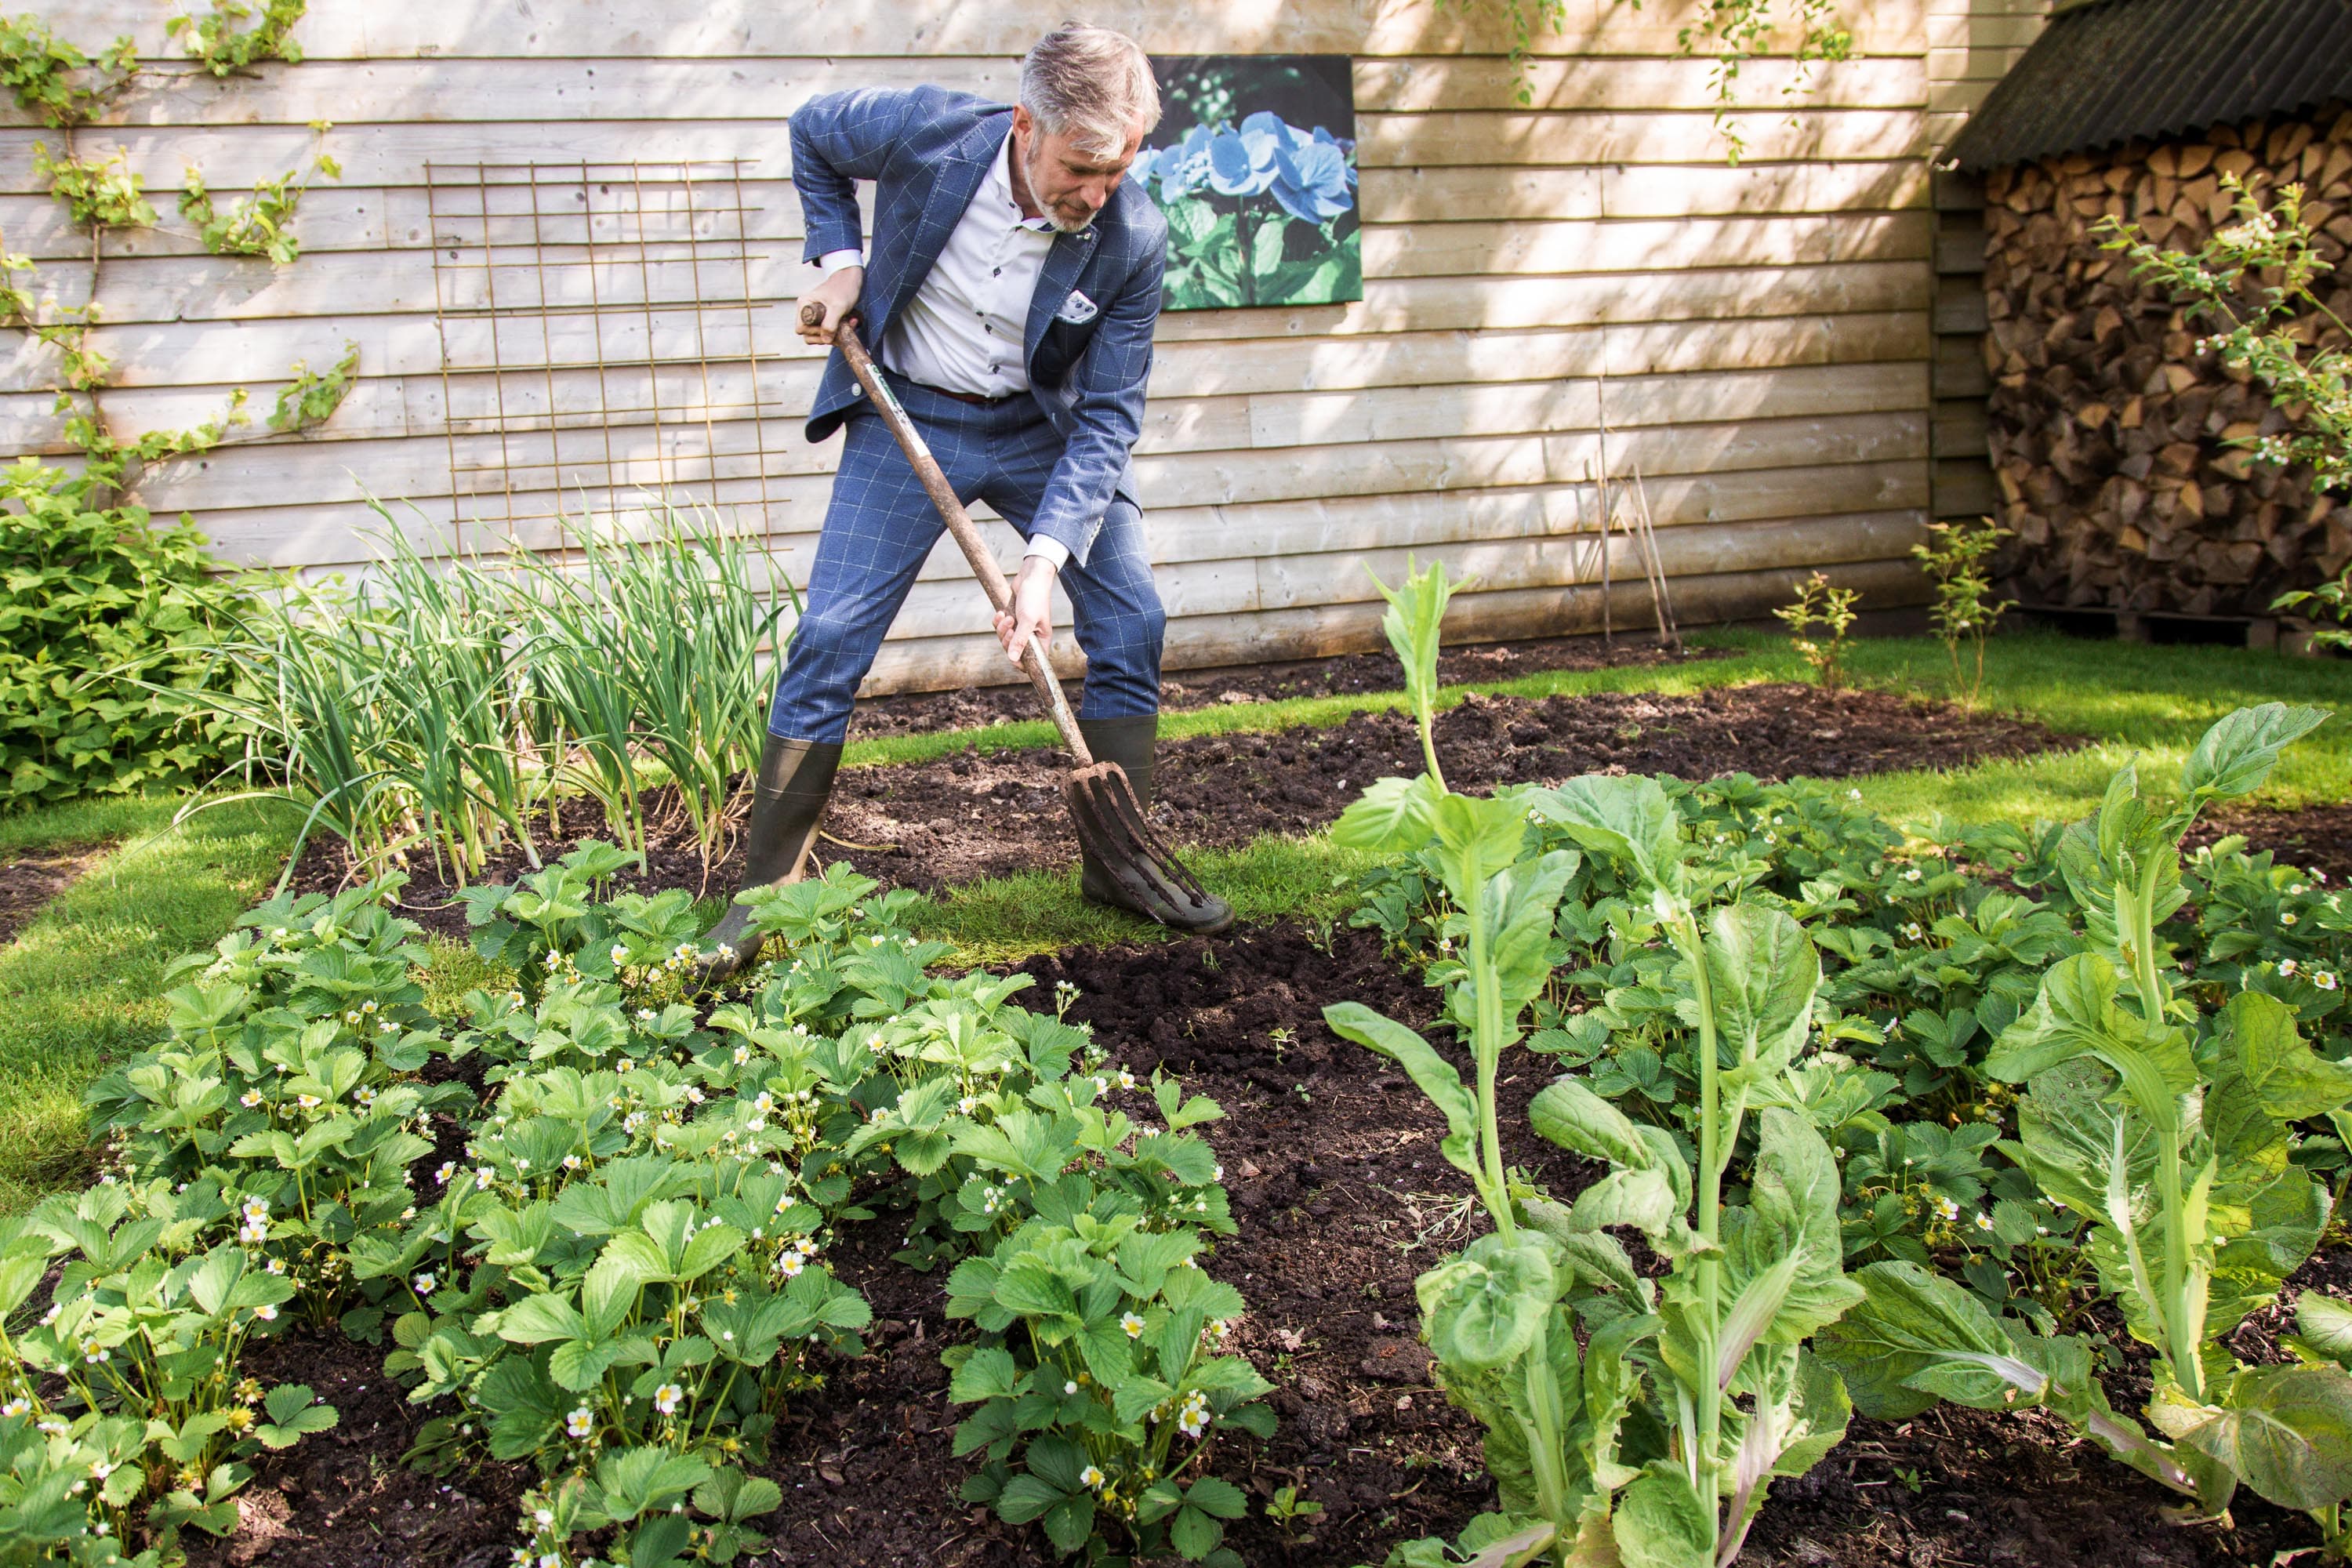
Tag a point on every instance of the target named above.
point(927, 149)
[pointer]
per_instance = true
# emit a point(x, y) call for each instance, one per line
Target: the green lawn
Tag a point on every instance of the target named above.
point(80, 984)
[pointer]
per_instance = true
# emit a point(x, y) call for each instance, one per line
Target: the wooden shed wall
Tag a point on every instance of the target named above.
point(1761, 340)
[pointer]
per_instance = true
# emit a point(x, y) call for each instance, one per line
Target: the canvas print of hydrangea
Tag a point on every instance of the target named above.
point(1254, 164)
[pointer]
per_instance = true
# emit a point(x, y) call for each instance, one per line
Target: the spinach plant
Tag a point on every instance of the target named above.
point(2167, 1124)
point(1638, 1446)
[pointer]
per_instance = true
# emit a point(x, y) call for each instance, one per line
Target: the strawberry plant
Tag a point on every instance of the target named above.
point(136, 1357)
point(1101, 1333)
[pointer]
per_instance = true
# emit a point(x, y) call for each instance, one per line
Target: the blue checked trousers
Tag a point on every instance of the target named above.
point(880, 525)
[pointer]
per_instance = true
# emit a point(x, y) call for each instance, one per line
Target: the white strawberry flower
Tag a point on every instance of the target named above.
point(579, 1422)
point(1132, 1324)
point(667, 1397)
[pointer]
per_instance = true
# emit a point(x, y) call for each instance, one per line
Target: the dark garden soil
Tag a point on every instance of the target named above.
point(29, 878)
point(969, 816)
point(342, 1499)
point(2315, 837)
point(1331, 1159)
point(931, 712)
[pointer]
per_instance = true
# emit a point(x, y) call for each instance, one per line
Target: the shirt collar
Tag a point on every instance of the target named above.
point(998, 188)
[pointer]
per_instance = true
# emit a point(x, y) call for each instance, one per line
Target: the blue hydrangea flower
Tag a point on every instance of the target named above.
point(1241, 163)
point(1312, 180)
point(1184, 167)
point(1308, 173)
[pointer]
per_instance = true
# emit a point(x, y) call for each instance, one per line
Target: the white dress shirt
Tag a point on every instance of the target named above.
point(964, 329)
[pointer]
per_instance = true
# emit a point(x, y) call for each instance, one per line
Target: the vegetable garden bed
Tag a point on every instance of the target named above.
point(1144, 1253)
point(975, 815)
point(1329, 1158)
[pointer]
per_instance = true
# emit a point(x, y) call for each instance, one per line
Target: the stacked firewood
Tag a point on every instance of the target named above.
point(2110, 430)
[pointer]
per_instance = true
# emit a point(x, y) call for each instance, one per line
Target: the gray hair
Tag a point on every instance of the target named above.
point(1092, 85)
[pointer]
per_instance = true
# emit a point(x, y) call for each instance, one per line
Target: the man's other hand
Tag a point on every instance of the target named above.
point(1032, 610)
point(838, 295)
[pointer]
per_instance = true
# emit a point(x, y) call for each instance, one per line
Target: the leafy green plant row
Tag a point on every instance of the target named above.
point(591, 1224)
point(1735, 970)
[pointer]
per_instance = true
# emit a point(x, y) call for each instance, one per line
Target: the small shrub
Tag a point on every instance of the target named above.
point(1965, 612)
point(108, 626)
point(1821, 607)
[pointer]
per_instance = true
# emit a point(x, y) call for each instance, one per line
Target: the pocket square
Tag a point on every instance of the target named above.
point(1077, 310)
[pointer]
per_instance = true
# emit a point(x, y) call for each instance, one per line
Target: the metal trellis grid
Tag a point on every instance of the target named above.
point(599, 336)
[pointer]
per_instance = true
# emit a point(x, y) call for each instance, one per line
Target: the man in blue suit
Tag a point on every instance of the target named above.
point(1009, 297)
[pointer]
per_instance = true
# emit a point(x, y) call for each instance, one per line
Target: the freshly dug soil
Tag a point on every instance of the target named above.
point(931, 712)
point(1331, 1159)
point(30, 878)
point(2316, 838)
point(969, 816)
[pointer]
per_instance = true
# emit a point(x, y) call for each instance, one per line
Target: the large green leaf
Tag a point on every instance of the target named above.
point(2288, 1432)
point(1479, 836)
point(2076, 1015)
point(1483, 1308)
point(1520, 904)
point(1572, 1116)
point(1792, 1214)
point(1392, 816)
point(2077, 1131)
point(1661, 1523)
point(1915, 1337)
point(2291, 1080)
point(1627, 817)
point(1762, 972)
point(2325, 1326)
point(2237, 753)
point(1435, 1077)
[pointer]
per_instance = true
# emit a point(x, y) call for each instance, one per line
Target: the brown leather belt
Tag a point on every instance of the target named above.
point(974, 398)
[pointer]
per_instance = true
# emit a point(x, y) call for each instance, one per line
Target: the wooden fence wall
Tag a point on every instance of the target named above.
point(1760, 340)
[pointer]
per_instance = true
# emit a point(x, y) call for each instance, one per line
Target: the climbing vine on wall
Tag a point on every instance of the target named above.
point(108, 626)
point(1726, 33)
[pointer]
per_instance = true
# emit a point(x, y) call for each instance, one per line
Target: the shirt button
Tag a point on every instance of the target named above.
point(998, 273)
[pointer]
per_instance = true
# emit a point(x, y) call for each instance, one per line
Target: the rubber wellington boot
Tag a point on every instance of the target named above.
point(795, 781)
point(1130, 743)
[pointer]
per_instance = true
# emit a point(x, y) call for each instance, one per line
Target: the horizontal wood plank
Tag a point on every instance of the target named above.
point(500, 29)
point(434, 89)
point(418, 470)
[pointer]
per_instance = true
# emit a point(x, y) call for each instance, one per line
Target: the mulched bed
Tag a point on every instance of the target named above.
point(931, 712)
point(1332, 1158)
point(969, 816)
point(29, 878)
point(2316, 838)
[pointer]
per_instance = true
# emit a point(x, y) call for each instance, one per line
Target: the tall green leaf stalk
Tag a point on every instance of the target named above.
point(1657, 1444)
point(2171, 1130)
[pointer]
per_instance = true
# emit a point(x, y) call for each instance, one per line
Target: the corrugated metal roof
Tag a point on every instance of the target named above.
point(2105, 71)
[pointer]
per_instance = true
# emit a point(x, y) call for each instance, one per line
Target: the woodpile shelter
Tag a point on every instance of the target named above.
point(2109, 425)
point(564, 245)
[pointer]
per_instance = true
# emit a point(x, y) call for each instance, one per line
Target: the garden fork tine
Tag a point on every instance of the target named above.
point(1102, 803)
